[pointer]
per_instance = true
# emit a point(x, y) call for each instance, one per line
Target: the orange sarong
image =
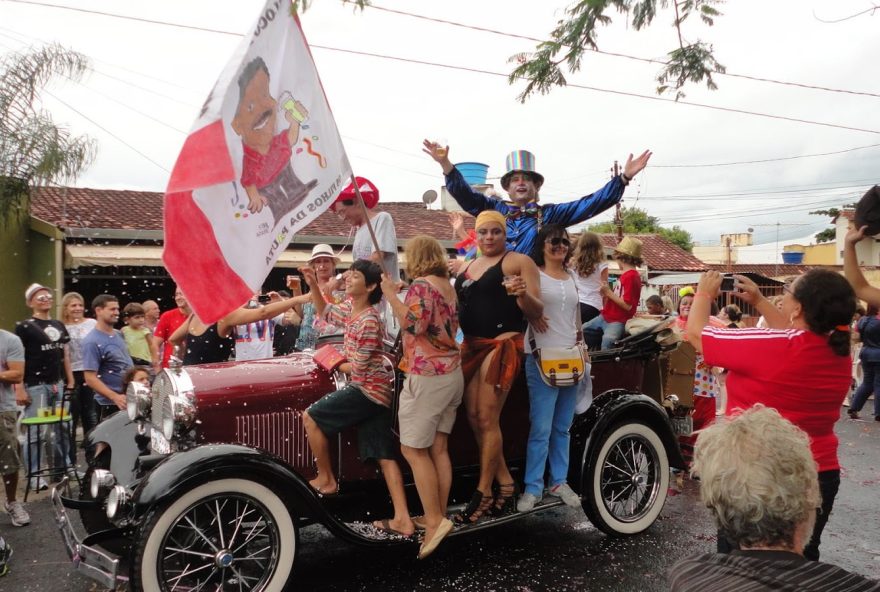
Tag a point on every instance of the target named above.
point(507, 354)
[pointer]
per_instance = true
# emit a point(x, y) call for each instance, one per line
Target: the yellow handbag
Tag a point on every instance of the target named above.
point(562, 366)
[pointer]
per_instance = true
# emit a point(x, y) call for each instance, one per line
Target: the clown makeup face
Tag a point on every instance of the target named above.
point(684, 306)
point(522, 189)
point(254, 120)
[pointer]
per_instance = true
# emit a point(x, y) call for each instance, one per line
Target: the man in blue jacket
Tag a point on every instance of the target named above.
point(522, 184)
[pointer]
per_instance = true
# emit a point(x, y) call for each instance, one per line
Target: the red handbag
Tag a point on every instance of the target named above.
point(328, 357)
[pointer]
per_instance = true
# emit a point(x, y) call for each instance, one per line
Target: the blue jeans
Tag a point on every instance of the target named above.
point(58, 442)
point(551, 411)
point(609, 332)
point(870, 384)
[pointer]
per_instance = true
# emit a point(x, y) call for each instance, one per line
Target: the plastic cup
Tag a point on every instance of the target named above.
point(509, 283)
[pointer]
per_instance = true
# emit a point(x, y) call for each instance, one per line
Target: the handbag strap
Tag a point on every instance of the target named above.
point(579, 334)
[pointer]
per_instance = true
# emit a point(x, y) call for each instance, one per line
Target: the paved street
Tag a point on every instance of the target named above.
point(558, 550)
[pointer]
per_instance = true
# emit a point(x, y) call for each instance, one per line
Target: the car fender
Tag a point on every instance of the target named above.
point(183, 470)
point(610, 408)
point(127, 442)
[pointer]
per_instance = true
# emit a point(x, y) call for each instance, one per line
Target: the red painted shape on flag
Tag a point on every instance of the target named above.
point(195, 260)
point(192, 254)
point(204, 160)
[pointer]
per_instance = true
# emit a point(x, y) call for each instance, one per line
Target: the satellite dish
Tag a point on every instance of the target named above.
point(429, 197)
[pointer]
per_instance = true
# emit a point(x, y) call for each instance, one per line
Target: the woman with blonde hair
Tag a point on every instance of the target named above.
point(82, 399)
point(434, 382)
point(590, 273)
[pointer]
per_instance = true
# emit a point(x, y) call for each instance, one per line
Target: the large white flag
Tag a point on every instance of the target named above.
point(264, 159)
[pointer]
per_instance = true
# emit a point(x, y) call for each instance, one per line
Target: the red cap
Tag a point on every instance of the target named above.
point(368, 191)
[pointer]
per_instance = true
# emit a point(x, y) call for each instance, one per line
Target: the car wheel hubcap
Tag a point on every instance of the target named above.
point(630, 478)
point(228, 540)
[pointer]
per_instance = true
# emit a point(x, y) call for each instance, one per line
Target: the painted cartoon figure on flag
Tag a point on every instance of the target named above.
point(264, 159)
point(266, 174)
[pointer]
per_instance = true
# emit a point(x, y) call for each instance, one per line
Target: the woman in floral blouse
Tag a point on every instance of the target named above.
point(434, 382)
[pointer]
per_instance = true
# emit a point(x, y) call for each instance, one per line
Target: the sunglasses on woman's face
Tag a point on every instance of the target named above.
point(559, 240)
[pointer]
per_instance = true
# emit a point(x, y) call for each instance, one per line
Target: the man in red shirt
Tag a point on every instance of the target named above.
point(620, 302)
point(168, 323)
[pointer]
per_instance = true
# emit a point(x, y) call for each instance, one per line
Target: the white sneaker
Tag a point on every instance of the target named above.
point(38, 484)
point(526, 502)
point(17, 514)
point(567, 494)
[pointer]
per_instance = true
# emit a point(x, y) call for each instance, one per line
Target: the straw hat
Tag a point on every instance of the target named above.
point(630, 246)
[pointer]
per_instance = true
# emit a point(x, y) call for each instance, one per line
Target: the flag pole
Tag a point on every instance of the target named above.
point(366, 213)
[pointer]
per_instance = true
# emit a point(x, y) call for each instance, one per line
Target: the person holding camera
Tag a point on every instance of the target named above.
point(206, 344)
point(801, 366)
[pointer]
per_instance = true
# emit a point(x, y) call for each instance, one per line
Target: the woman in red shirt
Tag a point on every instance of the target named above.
point(800, 366)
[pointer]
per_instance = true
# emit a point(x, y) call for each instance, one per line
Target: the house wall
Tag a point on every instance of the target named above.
point(868, 251)
point(14, 272)
point(821, 254)
point(32, 253)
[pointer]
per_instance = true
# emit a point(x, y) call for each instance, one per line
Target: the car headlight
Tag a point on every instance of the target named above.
point(137, 401)
point(117, 502)
point(101, 480)
point(173, 402)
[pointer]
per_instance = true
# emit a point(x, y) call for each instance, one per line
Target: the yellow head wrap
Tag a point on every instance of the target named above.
point(487, 216)
point(686, 291)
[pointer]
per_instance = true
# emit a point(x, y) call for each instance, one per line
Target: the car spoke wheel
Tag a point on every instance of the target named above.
point(232, 534)
point(628, 480)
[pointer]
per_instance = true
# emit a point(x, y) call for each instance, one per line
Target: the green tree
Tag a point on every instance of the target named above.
point(829, 234)
point(34, 150)
point(577, 33)
point(638, 221)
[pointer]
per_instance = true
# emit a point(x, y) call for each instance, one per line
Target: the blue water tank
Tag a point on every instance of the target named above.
point(792, 258)
point(473, 172)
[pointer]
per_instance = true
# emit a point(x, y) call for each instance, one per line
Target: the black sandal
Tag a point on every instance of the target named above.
point(478, 506)
point(505, 499)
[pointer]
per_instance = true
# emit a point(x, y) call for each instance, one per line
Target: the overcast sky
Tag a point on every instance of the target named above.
point(149, 81)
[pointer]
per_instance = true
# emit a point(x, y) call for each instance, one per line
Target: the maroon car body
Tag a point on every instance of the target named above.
point(224, 444)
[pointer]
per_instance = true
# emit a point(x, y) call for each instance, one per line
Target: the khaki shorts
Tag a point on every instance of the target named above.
point(10, 459)
point(427, 406)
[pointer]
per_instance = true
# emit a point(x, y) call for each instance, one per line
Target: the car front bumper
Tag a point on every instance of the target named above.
point(87, 558)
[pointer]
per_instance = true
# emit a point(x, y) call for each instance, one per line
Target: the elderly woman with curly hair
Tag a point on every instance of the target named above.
point(801, 366)
point(759, 481)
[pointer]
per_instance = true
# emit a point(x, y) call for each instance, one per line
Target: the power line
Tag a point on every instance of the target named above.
point(127, 17)
point(479, 71)
point(764, 160)
point(602, 90)
point(105, 130)
point(621, 55)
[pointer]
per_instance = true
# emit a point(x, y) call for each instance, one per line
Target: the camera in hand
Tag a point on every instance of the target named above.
point(727, 283)
point(263, 299)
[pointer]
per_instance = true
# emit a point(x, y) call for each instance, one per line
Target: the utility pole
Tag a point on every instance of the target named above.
point(618, 221)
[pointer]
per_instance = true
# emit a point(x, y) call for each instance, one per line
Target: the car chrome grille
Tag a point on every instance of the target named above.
point(163, 388)
point(279, 433)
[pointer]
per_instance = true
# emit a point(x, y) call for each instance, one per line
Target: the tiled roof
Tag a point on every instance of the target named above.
point(770, 269)
point(660, 254)
point(142, 210)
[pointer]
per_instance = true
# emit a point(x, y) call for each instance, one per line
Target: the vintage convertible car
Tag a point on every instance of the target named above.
point(203, 482)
